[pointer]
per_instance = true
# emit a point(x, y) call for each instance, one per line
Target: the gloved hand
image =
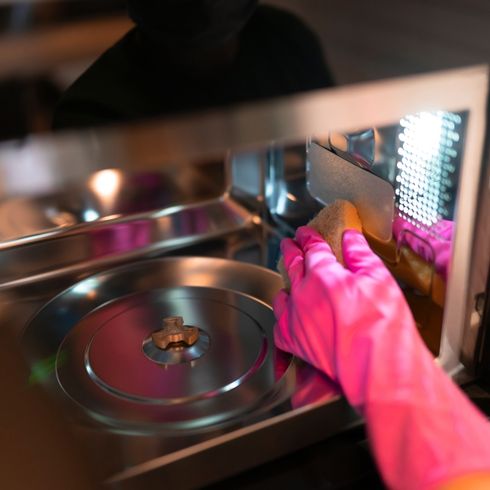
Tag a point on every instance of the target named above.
point(354, 324)
point(433, 246)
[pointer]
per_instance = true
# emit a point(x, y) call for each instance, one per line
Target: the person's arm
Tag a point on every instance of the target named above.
point(353, 323)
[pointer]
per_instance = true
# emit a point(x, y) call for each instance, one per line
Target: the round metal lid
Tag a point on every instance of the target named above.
point(129, 361)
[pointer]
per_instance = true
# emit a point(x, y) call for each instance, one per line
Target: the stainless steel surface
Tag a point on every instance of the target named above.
point(359, 147)
point(92, 334)
point(53, 254)
point(330, 177)
point(96, 330)
point(154, 145)
point(286, 194)
point(130, 451)
point(121, 386)
point(104, 195)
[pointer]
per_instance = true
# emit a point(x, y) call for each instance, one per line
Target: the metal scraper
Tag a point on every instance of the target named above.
point(330, 177)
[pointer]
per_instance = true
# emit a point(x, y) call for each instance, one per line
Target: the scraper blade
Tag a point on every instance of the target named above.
point(330, 177)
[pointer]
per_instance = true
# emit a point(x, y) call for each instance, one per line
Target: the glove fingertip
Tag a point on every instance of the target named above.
point(353, 238)
point(357, 254)
point(307, 236)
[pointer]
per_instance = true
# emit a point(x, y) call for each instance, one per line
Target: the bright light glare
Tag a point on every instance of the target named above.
point(106, 183)
point(85, 287)
point(425, 165)
point(90, 215)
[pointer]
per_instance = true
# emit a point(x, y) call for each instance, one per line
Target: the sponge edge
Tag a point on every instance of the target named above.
point(333, 220)
point(330, 222)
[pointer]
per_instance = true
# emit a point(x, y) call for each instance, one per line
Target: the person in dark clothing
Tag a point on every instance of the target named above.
point(190, 55)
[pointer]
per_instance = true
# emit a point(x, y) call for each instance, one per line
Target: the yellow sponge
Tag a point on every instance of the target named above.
point(330, 222)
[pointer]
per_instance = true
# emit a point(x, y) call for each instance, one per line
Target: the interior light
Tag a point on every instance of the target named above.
point(106, 183)
point(425, 165)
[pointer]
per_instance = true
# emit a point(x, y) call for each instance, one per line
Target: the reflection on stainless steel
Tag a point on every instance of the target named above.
point(105, 195)
point(286, 193)
point(106, 185)
point(116, 383)
point(95, 330)
point(107, 242)
point(358, 146)
point(232, 376)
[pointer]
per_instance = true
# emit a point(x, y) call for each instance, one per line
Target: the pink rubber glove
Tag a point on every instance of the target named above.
point(354, 324)
point(433, 246)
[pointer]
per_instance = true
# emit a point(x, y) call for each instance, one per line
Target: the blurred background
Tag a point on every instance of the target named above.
point(45, 45)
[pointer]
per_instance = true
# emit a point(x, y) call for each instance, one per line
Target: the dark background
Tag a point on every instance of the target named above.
point(45, 45)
